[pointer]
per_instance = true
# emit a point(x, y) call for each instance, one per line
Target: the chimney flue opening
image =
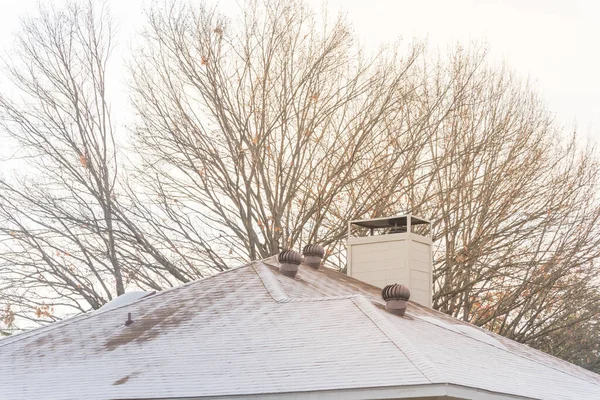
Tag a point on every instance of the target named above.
point(289, 260)
point(313, 254)
point(395, 297)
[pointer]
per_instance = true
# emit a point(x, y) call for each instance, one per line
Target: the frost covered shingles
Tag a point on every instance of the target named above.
point(253, 331)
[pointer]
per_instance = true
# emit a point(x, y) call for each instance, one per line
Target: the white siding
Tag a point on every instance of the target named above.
point(403, 258)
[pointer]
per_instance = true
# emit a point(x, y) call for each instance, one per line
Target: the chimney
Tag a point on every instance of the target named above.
point(385, 251)
point(289, 260)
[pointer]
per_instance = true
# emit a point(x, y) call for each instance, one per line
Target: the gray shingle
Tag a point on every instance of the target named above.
point(253, 331)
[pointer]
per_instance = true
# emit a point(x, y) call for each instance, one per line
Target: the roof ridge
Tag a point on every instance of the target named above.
point(277, 291)
point(270, 282)
point(425, 366)
point(90, 314)
point(325, 298)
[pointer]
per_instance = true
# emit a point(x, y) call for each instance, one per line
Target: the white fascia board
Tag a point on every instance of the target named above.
point(441, 390)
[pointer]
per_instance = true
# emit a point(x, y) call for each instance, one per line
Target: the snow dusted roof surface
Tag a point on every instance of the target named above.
point(124, 299)
point(252, 331)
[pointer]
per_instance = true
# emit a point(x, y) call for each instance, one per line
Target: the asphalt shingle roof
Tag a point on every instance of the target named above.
point(252, 330)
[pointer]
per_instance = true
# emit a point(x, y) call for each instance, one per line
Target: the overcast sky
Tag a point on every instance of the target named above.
point(553, 43)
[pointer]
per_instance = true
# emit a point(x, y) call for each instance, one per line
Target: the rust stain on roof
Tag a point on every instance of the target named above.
point(121, 381)
point(345, 282)
point(41, 341)
point(50, 339)
point(363, 286)
point(335, 276)
point(146, 327)
point(209, 311)
point(151, 324)
point(125, 379)
point(45, 342)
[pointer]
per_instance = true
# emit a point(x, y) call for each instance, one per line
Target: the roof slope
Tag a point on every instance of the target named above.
point(253, 331)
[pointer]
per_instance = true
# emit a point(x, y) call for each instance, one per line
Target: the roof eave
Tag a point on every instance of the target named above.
point(439, 390)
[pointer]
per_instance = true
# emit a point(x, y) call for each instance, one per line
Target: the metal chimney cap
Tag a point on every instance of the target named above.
point(388, 222)
point(313, 250)
point(289, 257)
point(395, 292)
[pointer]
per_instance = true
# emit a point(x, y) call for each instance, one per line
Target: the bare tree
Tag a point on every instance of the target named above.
point(275, 130)
point(61, 223)
point(515, 207)
point(68, 243)
point(269, 131)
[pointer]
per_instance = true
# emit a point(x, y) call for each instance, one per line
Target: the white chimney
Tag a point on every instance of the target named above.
point(392, 250)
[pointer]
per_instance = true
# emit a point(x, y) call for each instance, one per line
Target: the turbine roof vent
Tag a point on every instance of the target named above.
point(313, 250)
point(313, 254)
point(289, 260)
point(395, 297)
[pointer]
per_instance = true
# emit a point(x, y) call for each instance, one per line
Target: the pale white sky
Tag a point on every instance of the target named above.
point(553, 43)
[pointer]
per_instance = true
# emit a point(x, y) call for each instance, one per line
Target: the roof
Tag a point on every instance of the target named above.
point(252, 331)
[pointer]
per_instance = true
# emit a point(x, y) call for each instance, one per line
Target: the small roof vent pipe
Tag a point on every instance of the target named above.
point(289, 260)
point(129, 320)
point(395, 297)
point(313, 254)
